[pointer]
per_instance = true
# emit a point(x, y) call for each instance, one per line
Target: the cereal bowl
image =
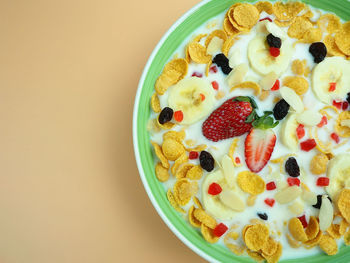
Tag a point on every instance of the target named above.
point(181, 30)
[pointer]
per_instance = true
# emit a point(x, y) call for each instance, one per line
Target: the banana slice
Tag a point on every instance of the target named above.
point(288, 132)
point(261, 60)
point(338, 172)
point(194, 97)
point(331, 70)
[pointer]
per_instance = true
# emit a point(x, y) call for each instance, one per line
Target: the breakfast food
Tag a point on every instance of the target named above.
point(250, 128)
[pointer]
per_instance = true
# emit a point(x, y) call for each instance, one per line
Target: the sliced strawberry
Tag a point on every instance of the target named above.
point(259, 146)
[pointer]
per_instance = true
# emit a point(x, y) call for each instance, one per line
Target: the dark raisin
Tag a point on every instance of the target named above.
point(165, 115)
point(263, 216)
point(319, 51)
point(222, 61)
point(319, 201)
point(206, 161)
point(292, 167)
point(348, 98)
point(280, 110)
point(273, 41)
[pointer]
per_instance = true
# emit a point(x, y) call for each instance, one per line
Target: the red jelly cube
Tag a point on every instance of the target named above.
point(214, 189)
point(193, 155)
point(293, 181)
point(202, 96)
point(274, 51)
point(215, 85)
point(237, 160)
point(197, 74)
point(322, 181)
point(303, 220)
point(220, 229)
point(178, 116)
point(308, 145)
point(337, 104)
point(300, 131)
point(332, 86)
point(270, 186)
point(213, 69)
point(276, 86)
point(265, 18)
point(335, 137)
point(323, 122)
point(269, 201)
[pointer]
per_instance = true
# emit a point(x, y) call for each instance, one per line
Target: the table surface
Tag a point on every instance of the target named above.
point(69, 187)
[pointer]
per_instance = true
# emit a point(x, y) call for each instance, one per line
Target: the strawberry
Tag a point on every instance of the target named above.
point(229, 120)
point(259, 146)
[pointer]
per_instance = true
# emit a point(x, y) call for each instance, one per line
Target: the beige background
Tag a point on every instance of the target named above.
point(69, 187)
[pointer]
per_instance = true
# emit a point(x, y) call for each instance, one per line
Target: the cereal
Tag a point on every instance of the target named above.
point(172, 149)
point(216, 33)
point(246, 15)
point(344, 204)
point(318, 164)
point(229, 29)
point(197, 202)
point(343, 226)
point(292, 242)
point(208, 235)
point(251, 200)
point(312, 229)
point(250, 182)
point(207, 68)
point(155, 104)
point(328, 245)
point(248, 85)
point(161, 173)
point(284, 23)
point(228, 44)
point(182, 159)
point(269, 247)
point(184, 190)
point(313, 242)
point(298, 84)
point(204, 218)
point(287, 11)
point(275, 256)
point(237, 250)
point(173, 202)
point(298, 66)
point(255, 236)
point(198, 53)
point(165, 80)
point(342, 130)
point(178, 136)
point(264, 6)
point(264, 94)
point(183, 169)
point(329, 22)
point(297, 230)
point(195, 173)
point(255, 255)
point(332, 48)
point(166, 126)
point(312, 35)
point(299, 27)
point(342, 38)
point(159, 154)
point(192, 219)
point(333, 231)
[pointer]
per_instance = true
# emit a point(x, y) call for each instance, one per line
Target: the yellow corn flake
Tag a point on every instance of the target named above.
point(155, 104)
point(175, 135)
point(197, 202)
point(198, 53)
point(347, 238)
point(255, 221)
point(152, 125)
point(328, 245)
point(292, 242)
point(208, 234)
point(180, 65)
point(236, 249)
point(287, 11)
point(248, 85)
point(216, 33)
point(173, 202)
point(204, 218)
point(172, 149)
point(166, 126)
point(343, 131)
point(298, 66)
point(313, 242)
point(184, 190)
point(297, 230)
point(256, 236)
point(190, 142)
point(318, 164)
point(178, 162)
point(198, 148)
point(342, 38)
point(312, 35)
point(307, 72)
point(219, 95)
point(343, 226)
point(162, 172)
point(192, 219)
point(275, 256)
point(250, 182)
point(233, 147)
point(228, 44)
point(333, 231)
point(296, 83)
point(233, 235)
point(165, 80)
point(195, 173)
point(312, 229)
point(284, 23)
point(183, 169)
point(264, 6)
point(270, 247)
point(264, 95)
point(207, 67)
point(187, 55)
point(344, 204)
point(228, 28)
point(246, 15)
point(159, 154)
point(255, 255)
point(299, 27)
point(330, 23)
point(251, 200)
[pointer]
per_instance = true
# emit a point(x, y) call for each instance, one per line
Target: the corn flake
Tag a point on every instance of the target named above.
point(270, 247)
point(183, 169)
point(275, 256)
point(312, 229)
point(333, 231)
point(198, 53)
point(264, 6)
point(162, 173)
point(299, 27)
point(343, 226)
point(255, 255)
point(292, 242)
point(287, 11)
point(296, 83)
point(172, 149)
point(246, 15)
point(175, 135)
point(248, 85)
point(173, 202)
point(342, 131)
point(330, 23)
point(192, 219)
point(328, 245)
point(342, 38)
point(216, 33)
point(165, 80)
point(344, 204)
point(228, 28)
point(208, 234)
point(204, 218)
point(184, 190)
point(197, 202)
point(312, 35)
point(313, 242)
point(159, 154)
point(155, 103)
point(250, 182)
point(256, 236)
point(228, 44)
point(284, 23)
point(347, 238)
point(195, 173)
point(166, 126)
point(298, 66)
point(182, 159)
point(297, 230)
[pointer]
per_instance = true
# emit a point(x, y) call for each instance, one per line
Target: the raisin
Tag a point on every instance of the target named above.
point(319, 201)
point(222, 61)
point(273, 41)
point(280, 110)
point(292, 167)
point(263, 216)
point(206, 161)
point(319, 51)
point(165, 115)
point(348, 98)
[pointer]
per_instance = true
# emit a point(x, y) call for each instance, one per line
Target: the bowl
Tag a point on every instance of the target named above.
point(182, 28)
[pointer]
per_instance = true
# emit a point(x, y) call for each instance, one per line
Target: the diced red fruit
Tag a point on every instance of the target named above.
point(337, 104)
point(213, 69)
point(293, 181)
point(308, 145)
point(303, 220)
point(270, 186)
point(215, 85)
point(300, 131)
point(276, 86)
point(345, 105)
point(237, 160)
point(332, 86)
point(220, 229)
point(269, 201)
point(322, 181)
point(274, 51)
point(335, 137)
point(202, 96)
point(265, 18)
point(214, 189)
point(193, 155)
point(323, 122)
point(259, 145)
point(178, 116)
point(197, 74)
